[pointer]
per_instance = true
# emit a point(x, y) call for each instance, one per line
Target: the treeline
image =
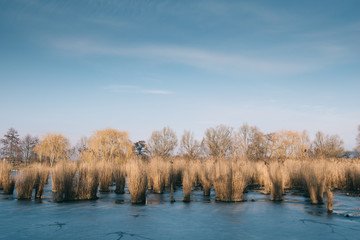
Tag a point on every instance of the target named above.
point(247, 142)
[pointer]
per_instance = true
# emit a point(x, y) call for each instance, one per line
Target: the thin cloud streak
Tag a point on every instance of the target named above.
point(157, 92)
point(135, 90)
point(194, 57)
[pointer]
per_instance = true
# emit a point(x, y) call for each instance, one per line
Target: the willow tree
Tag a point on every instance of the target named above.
point(54, 147)
point(110, 145)
point(288, 144)
point(162, 143)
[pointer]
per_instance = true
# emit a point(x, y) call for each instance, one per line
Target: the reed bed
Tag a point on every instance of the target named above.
point(230, 178)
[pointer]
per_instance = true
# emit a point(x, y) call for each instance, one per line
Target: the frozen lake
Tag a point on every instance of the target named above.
point(113, 217)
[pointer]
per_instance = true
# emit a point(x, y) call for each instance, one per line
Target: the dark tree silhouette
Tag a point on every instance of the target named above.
point(11, 146)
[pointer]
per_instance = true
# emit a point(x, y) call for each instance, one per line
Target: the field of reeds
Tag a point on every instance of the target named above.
point(230, 179)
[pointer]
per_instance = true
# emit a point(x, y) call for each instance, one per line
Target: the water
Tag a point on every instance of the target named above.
point(113, 217)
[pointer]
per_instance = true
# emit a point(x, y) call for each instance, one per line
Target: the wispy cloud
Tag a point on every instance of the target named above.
point(135, 89)
point(159, 92)
point(198, 58)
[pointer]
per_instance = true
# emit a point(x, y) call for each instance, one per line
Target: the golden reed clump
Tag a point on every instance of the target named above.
point(72, 182)
point(25, 181)
point(136, 172)
point(230, 179)
point(158, 171)
point(7, 182)
point(119, 176)
point(105, 171)
point(205, 173)
point(189, 178)
point(277, 180)
point(86, 182)
point(315, 175)
point(63, 180)
point(42, 177)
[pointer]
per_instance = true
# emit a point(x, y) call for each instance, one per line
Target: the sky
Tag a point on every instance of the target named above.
point(73, 67)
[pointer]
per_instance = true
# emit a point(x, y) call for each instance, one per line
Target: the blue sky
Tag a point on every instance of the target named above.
point(73, 67)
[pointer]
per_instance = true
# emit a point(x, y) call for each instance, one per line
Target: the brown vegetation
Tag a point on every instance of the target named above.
point(119, 176)
point(42, 176)
point(136, 172)
point(158, 171)
point(230, 180)
point(25, 181)
point(7, 182)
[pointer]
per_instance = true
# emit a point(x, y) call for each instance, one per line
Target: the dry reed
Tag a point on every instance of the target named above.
point(7, 182)
point(105, 175)
point(136, 171)
point(188, 180)
point(277, 179)
point(63, 180)
point(86, 182)
point(205, 172)
point(42, 176)
point(315, 175)
point(230, 180)
point(25, 182)
point(119, 176)
point(158, 171)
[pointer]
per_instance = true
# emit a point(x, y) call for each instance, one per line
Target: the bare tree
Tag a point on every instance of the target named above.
point(27, 147)
point(327, 145)
point(257, 148)
point(54, 147)
point(189, 146)
point(219, 141)
point(162, 143)
point(242, 141)
point(357, 149)
point(11, 145)
point(334, 146)
point(319, 144)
